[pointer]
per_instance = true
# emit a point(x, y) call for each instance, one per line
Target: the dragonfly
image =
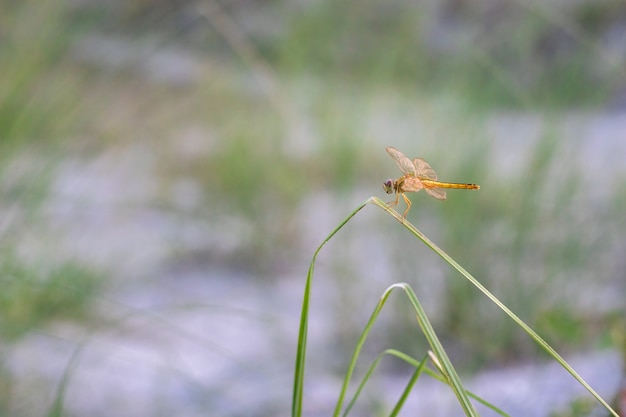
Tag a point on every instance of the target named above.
point(417, 175)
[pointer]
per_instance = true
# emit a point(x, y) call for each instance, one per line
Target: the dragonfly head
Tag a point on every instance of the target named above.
point(389, 186)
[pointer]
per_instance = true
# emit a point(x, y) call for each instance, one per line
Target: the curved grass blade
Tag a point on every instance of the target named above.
point(409, 387)
point(416, 364)
point(419, 368)
point(451, 378)
point(298, 385)
point(449, 373)
point(298, 381)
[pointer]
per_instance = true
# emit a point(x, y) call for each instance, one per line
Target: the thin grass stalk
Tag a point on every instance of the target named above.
point(409, 387)
point(298, 382)
point(359, 347)
point(371, 370)
point(452, 378)
point(416, 364)
point(56, 410)
point(298, 387)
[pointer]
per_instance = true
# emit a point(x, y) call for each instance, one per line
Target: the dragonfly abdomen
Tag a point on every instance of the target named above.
point(439, 184)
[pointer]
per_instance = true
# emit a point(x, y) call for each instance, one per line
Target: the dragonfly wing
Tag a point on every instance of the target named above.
point(423, 169)
point(438, 193)
point(404, 163)
point(411, 184)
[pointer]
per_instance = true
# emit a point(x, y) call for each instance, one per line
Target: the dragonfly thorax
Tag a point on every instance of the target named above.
point(389, 186)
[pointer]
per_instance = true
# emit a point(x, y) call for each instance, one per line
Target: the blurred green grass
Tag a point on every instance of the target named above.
point(34, 295)
point(511, 55)
point(40, 98)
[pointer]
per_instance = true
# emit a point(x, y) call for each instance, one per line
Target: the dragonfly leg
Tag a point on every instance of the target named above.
point(408, 205)
point(394, 203)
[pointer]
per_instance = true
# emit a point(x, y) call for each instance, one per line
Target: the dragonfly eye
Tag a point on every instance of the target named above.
point(388, 186)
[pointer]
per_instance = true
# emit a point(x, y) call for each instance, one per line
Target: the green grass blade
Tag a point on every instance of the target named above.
point(298, 382)
point(359, 347)
point(409, 387)
point(437, 376)
point(298, 387)
point(487, 404)
point(57, 407)
point(451, 379)
point(513, 316)
point(420, 366)
point(366, 378)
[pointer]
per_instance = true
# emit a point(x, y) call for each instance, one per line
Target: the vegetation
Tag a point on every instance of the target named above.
point(38, 104)
point(308, 112)
point(444, 370)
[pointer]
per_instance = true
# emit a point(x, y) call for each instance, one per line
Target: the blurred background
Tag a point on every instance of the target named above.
point(168, 168)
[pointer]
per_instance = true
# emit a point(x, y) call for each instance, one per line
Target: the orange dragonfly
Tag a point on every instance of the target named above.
point(418, 175)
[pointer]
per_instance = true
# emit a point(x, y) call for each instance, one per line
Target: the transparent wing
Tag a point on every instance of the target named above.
point(438, 193)
point(404, 163)
point(423, 169)
point(411, 184)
